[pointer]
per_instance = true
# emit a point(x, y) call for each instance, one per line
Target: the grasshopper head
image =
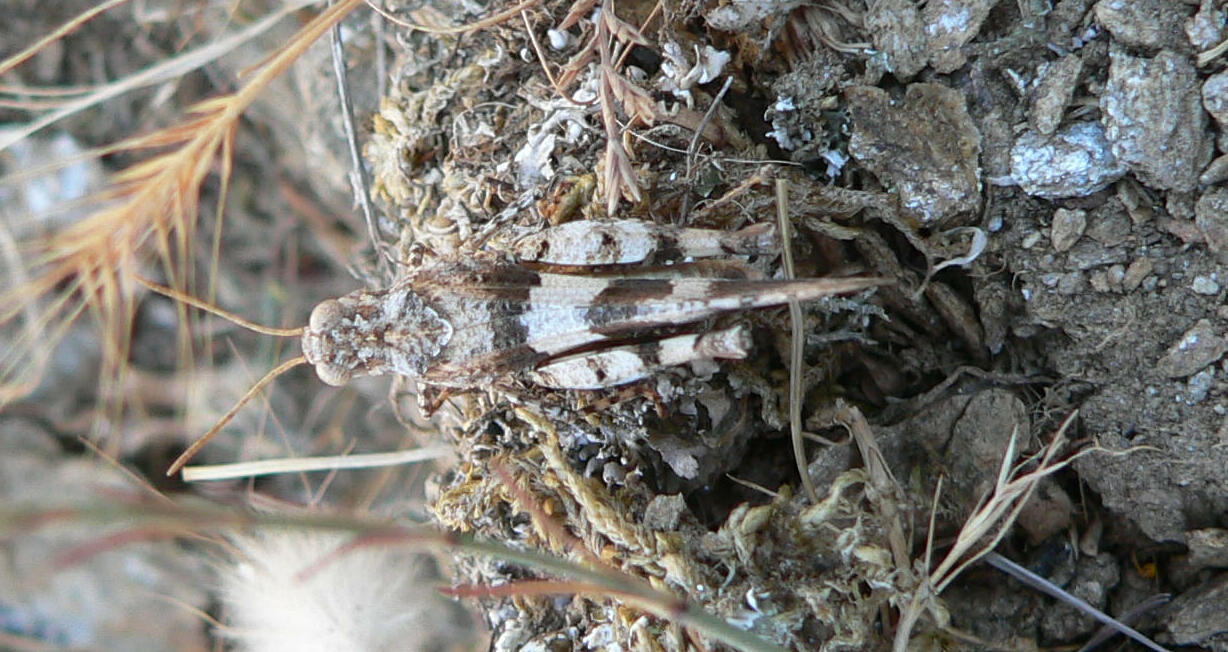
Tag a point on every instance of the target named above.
point(369, 333)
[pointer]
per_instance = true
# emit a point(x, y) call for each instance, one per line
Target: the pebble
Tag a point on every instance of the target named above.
point(897, 31)
point(1206, 29)
point(1207, 548)
point(1215, 101)
point(1211, 217)
point(1195, 349)
point(1068, 226)
point(1137, 271)
point(1074, 162)
point(1216, 172)
point(1153, 117)
point(1200, 385)
point(1055, 86)
point(949, 25)
point(1205, 285)
point(1151, 24)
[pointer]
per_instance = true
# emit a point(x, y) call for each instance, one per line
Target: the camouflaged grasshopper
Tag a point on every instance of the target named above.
point(577, 306)
point(468, 323)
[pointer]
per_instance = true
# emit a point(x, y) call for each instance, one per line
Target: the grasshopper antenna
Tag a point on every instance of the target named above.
point(251, 393)
point(224, 314)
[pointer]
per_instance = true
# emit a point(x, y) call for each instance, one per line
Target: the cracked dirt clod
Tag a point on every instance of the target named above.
point(1153, 117)
point(926, 146)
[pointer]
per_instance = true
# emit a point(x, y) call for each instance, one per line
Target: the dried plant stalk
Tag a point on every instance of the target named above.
point(150, 211)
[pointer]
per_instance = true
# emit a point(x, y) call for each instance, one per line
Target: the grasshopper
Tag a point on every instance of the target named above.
point(467, 323)
point(577, 306)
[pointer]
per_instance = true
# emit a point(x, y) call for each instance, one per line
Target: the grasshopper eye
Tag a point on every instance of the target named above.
point(326, 316)
point(332, 374)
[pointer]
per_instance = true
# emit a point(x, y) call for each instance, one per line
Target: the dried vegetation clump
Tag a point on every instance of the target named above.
point(690, 487)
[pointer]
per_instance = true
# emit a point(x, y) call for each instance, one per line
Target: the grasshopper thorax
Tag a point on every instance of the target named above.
point(369, 333)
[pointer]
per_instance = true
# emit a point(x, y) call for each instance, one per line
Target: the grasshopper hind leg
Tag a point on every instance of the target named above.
point(621, 365)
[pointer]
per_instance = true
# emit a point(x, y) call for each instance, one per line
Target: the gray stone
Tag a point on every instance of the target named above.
point(1150, 24)
point(926, 146)
point(1153, 117)
point(1211, 217)
point(1074, 162)
point(1195, 349)
point(1055, 86)
point(1200, 613)
point(1068, 226)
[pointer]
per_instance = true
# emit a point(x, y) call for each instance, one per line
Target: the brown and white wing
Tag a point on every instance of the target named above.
point(507, 318)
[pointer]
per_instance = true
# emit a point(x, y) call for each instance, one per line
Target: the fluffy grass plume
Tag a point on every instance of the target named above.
point(288, 590)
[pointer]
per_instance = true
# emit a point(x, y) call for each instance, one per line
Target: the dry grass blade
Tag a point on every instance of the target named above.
point(59, 33)
point(621, 30)
point(889, 494)
point(151, 212)
point(212, 472)
point(613, 91)
point(796, 322)
point(1041, 584)
point(166, 70)
point(489, 21)
point(988, 523)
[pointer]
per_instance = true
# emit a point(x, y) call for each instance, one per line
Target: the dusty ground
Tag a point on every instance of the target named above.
point(1041, 183)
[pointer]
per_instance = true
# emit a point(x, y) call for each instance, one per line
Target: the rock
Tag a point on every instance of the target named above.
point(1215, 101)
point(1137, 271)
point(949, 24)
point(1047, 512)
point(1208, 548)
point(1200, 613)
point(981, 438)
point(897, 30)
point(664, 512)
point(1152, 24)
point(926, 146)
point(1153, 117)
point(1055, 86)
point(1075, 162)
point(1094, 577)
point(1206, 29)
point(1211, 217)
point(1197, 348)
point(1068, 226)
